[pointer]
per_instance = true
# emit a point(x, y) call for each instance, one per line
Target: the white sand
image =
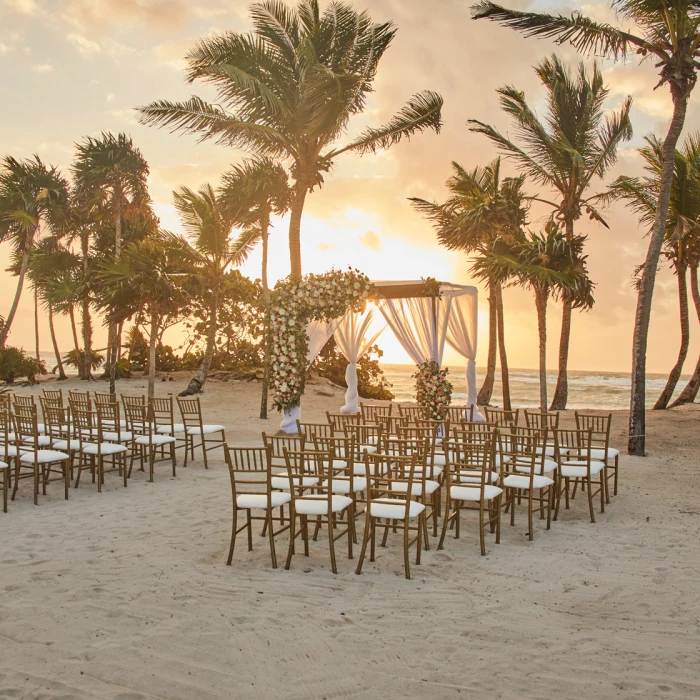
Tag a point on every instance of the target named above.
point(126, 595)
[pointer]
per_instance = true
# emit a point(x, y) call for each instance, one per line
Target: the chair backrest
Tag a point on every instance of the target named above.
point(473, 434)
point(26, 426)
point(276, 444)
point(372, 411)
point(475, 455)
point(340, 420)
point(390, 424)
point(18, 400)
point(85, 424)
point(246, 466)
point(57, 419)
point(340, 447)
point(191, 412)
point(108, 418)
point(402, 447)
point(460, 414)
point(7, 430)
point(309, 430)
point(309, 462)
point(364, 435)
point(573, 445)
point(6, 400)
point(79, 404)
point(599, 425)
point(501, 417)
point(54, 395)
point(519, 452)
point(413, 413)
point(396, 475)
point(163, 411)
point(425, 434)
point(81, 396)
point(138, 419)
point(102, 399)
point(540, 419)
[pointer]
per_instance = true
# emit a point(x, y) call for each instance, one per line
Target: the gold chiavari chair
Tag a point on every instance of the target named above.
point(311, 430)
point(477, 434)
point(54, 395)
point(163, 414)
point(79, 396)
point(574, 455)
point(371, 412)
point(392, 478)
point(195, 427)
point(413, 413)
point(59, 429)
point(469, 477)
point(600, 448)
point(251, 490)
point(390, 424)
point(366, 437)
point(460, 414)
point(502, 418)
point(340, 420)
point(5, 473)
point(320, 502)
point(9, 451)
point(540, 420)
point(147, 441)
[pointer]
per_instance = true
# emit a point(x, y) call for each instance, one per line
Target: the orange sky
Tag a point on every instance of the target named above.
point(73, 68)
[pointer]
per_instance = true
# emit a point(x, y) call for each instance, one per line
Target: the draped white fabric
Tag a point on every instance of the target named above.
point(319, 332)
point(353, 341)
point(461, 336)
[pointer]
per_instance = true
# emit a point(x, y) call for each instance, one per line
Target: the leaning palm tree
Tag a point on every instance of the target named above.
point(669, 33)
point(211, 252)
point(288, 90)
point(574, 145)
point(32, 196)
point(682, 227)
point(482, 208)
point(252, 192)
point(110, 170)
point(550, 264)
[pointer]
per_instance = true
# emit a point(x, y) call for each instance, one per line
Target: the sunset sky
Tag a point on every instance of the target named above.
point(73, 68)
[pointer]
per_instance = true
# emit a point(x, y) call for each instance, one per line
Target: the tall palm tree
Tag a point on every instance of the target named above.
point(252, 192)
point(682, 234)
point(112, 171)
point(288, 90)
point(482, 208)
point(32, 196)
point(575, 144)
point(550, 264)
point(668, 33)
point(211, 252)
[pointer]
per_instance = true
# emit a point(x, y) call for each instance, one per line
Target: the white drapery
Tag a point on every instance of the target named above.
point(319, 333)
point(353, 341)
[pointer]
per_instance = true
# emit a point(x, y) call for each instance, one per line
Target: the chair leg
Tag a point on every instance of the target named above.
point(331, 544)
point(249, 525)
point(66, 476)
point(369, 526)
point(172, 457)
point(445, 523)
point(530, 524)
point(351, 528)
point(616, 471)
point(36, 484)
point(590, 497)
point(305, 533)
point(292, 535)
point(233, 536)
point(482, 538)
point(406, 563)
point(421, 531)
point(498, 519)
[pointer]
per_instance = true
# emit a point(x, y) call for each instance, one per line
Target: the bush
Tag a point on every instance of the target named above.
point(75, 359)
point(14, 363)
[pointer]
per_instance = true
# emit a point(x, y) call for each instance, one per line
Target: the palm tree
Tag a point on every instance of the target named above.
point(681, 246)
point(32, 196)
point(288, 90)
point(211, 253)
point(576, 143)
point(251, 192)
point(550, 264)
point(669, 33)
point(112, 171)
point(481, 208)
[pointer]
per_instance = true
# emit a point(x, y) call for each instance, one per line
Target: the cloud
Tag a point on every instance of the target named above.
point(23, 7)
point(85, 46)
point(110, 97)
point(371, 240)
point(42, 68)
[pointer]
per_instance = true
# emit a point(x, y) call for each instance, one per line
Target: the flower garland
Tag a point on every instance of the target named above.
point(295, 303)
point(433, 391)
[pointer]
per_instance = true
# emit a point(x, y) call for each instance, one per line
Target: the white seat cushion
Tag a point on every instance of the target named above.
point(439, 459)
point(154, 440)
point(575, 469)
point(467, 493)
point(166, 429)
point(513, 481)
point(44, 456)
point(548, 450)
point(41, 428)
point(254, 500)
point(416, 487)
point(72, 444)
point(207, 429)
point(42, 440)
point(360, 470)
point(549, 466)
point(122, 436)
point(11, 451)
point(600, 453)
point(11, 437)
point(394, 509)
point(282, 482)
point(432, 473)
point(107, 448)
point(468, 476)
point(342, 484)
point(3, 465)
point(318, 505)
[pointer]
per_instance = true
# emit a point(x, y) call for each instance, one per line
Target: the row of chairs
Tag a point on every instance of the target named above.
point(96, 432)
point(330, 474)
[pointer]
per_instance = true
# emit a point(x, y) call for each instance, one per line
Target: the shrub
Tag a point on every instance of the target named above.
point(14, 363)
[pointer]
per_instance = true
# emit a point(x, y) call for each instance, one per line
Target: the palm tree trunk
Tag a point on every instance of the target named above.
point(561, 391)
point(266, 335)
point(691, 388)
point(153, 342)
point(59, 361)
point(505, 380)
point(541, 305)
point(86, 321)
point(197, 382)
point(484, 395)
point(76, 342)
point(296, 211)
point(674, 376)
point(36, 321)
point(134, 333)
point(113, 349)
point(24, 266)
point(637, 422)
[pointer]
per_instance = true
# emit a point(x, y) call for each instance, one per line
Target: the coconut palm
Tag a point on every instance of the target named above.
point(32, 196)
point(111, 171)
point(252, 192)
point(550, 264)
point(575, 144)
point(682, 236)
point(668, 33)
point(288, 90)
point(211, 252)
point(482, 207)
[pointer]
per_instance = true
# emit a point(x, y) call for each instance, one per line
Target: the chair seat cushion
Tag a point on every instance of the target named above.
point(359, 468)
point(122, 436)
point(318, 504)
point(394, 509)
point(600, 453)
point(3, 465)
point(514, 481)
point(416, 487)
point(42, 440)
point(168, 430)
point(44, 456)
point(548, 467)
point(255, 500)
point(72, 444)
point(10, 451)
point(105, 448)
point(206, 430)
point(432, 471)
point(575, 470)
point(342, 484)
point(282, 482)
point(439, 459)
point(473, 493)
point(548, 450)
point(468, 476)
point(154, 440)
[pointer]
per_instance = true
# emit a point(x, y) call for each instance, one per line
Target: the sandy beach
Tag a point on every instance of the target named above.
point(126, 595)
